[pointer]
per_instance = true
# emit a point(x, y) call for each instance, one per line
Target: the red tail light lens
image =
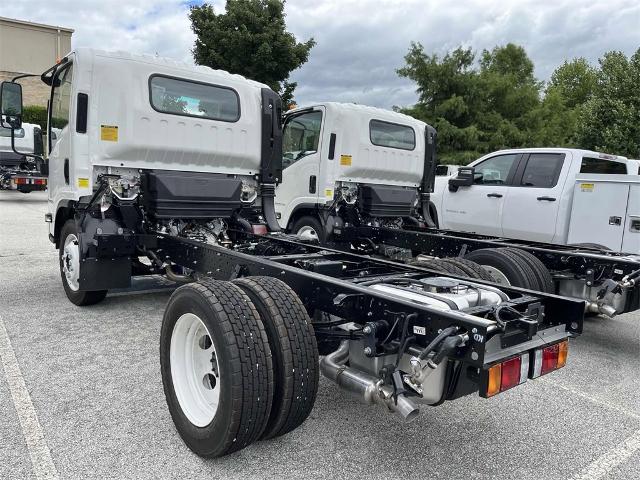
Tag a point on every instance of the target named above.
point(549, 359)
point(510, 373)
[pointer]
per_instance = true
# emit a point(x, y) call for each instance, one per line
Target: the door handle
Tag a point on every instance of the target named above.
point(66, 171)
point(494, 195)
point(548, 199)
point(312, 184)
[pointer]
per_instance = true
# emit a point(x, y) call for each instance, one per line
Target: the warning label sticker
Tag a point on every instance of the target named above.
point(586, 187)
point(83, 182)
point(328, 193)
point(109, 133)
point(345, 160)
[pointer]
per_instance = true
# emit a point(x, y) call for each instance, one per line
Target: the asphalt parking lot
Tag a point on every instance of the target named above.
point(81, 397)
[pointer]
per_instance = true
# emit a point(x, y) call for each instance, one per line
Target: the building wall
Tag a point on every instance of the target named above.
point(31, 48)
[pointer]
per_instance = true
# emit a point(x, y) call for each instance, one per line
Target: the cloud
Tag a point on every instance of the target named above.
point(360, 43)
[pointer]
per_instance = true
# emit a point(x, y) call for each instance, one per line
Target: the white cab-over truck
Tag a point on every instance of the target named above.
point(551, 195)
point(340, 154)
point(18, 167)
point(361, 177)
point(162, 168)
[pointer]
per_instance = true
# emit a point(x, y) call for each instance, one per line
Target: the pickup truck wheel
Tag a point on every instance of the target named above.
point(294, 350)
point(309, 228)
point(471, 269)
point(70, 268)
point(545, 280)
point(216, 367)
point(505, 267)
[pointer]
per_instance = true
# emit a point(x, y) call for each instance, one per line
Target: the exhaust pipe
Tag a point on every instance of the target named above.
point(365, 387)
point(595, 307)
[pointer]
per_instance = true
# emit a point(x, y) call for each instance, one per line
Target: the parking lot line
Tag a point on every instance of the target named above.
point(604, 465)
point(592, 399)
point(43, 466)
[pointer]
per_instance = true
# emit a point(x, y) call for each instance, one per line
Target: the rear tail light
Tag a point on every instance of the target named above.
point(514, 371)
point(506, 375)
point(550, 358)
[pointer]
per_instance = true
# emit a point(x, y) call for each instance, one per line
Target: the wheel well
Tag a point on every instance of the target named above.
point(62, 215)
point(302, 212)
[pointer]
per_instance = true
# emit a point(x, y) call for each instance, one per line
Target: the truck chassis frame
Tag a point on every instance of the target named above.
point(590, 264)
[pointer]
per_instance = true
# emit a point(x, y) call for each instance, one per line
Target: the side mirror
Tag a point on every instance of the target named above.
point(11, 105)
point(464, 178)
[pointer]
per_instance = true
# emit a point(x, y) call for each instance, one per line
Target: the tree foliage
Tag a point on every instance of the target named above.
point(481, 103)
point(250, 38)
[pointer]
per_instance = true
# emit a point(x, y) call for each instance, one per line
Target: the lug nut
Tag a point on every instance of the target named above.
point(367, 351)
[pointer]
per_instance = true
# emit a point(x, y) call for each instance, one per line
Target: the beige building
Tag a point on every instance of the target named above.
point(27, 47)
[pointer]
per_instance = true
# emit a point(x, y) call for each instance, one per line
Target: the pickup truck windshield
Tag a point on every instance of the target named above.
point(600, 165)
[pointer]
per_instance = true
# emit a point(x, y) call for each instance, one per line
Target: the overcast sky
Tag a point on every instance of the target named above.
point(360, 43)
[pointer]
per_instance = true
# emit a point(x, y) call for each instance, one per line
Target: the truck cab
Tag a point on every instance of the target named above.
point(524, 194)
point(341, 160)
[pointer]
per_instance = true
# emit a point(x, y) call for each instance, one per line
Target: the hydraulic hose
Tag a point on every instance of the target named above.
point(434, 343)
point(268, 193)
point(448, 345)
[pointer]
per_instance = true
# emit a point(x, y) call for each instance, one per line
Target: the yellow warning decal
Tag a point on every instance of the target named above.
point(586, 187)
point(345, 160)
point(83, 182)
point(328, 193)
point(109, 133)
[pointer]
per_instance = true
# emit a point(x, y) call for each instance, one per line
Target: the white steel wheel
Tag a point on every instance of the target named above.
point(499, 277)
point(71, 261)
point(307, 232)
point(195, 370)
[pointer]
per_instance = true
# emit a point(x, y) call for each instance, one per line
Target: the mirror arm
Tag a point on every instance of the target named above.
point(26, 75)
point(15, 150)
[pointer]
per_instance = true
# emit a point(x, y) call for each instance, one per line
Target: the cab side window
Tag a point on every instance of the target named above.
point(495, 170)
point(542, 170)
point(301, 137)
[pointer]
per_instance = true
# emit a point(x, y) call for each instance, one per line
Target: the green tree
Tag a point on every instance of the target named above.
point(610, 118)
point(574, 81)
point(478, 106)
point(250, 39)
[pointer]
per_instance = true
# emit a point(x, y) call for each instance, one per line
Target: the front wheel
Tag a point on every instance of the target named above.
point(70, 268)
point(309, 229)
point(216, 367)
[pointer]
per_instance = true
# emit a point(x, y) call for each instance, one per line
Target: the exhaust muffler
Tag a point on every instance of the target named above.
point(365, 387)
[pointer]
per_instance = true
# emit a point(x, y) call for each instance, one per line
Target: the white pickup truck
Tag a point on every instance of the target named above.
point(551, 195)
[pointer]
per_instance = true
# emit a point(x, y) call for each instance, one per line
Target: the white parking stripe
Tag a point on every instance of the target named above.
point(591, 398)
point(610, 460)
point(43, 466)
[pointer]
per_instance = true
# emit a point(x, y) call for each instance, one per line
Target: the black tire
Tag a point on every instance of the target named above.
point(78, 297)
point(545, 280)
point(440, 265)
point(471, 269)
point(309, 221)
point(294, 350)
point(517, 272)
point(244, 364)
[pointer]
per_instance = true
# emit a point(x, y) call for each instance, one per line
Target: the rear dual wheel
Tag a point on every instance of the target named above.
point(238, 363)
point(512, 266)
